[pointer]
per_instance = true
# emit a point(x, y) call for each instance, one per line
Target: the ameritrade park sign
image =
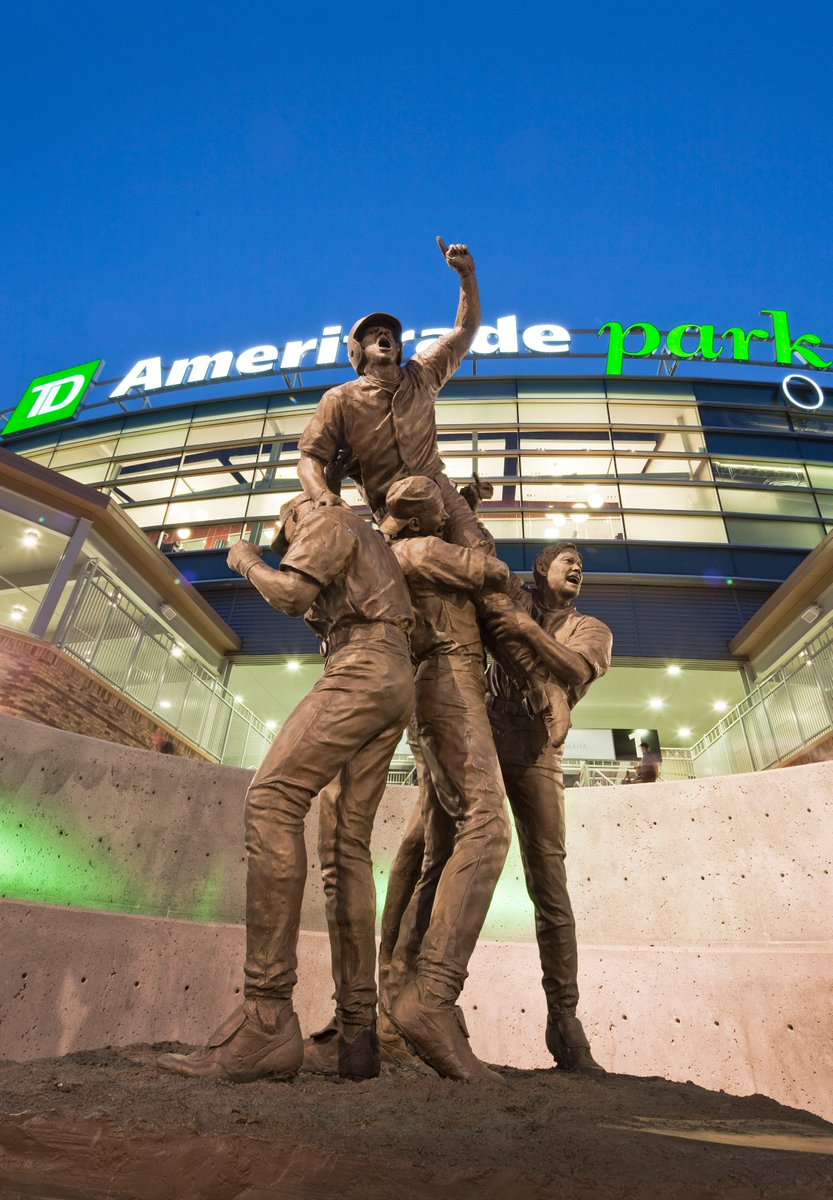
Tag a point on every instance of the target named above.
point(57, 397)
point(640, 340)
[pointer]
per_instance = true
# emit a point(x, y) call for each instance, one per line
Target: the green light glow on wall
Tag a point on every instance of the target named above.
point(46, 859)
point(50, 863)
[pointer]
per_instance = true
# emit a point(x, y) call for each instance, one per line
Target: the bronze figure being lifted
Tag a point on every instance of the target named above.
point(382, 426)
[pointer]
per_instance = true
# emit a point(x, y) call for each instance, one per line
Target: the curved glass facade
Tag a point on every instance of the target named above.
point(634, 469)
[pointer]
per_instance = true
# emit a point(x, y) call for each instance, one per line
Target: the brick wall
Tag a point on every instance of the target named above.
point(41, 683)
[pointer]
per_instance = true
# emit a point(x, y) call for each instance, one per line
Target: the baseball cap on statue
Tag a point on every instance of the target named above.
point(280, 542)
point(408, 498)
point(355, 350)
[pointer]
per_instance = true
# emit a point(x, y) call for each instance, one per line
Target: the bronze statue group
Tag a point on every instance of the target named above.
point(406, 613)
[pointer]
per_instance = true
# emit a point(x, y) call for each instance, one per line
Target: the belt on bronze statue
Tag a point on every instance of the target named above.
point(362, 631)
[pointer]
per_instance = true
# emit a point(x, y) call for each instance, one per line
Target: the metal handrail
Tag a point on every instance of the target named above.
point(781, 714)
point(127, 645)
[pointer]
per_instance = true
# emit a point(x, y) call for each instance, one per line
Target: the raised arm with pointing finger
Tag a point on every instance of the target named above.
point(381, 426)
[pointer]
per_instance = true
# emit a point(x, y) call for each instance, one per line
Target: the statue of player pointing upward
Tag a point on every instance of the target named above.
point(382, 426)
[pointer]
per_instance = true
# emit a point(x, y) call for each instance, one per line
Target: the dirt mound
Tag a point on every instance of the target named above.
point(108, 1124)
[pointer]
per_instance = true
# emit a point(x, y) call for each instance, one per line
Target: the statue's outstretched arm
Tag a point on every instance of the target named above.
point(467, 321)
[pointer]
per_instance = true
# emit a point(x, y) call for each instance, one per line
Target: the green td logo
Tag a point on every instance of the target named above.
point(52, 397)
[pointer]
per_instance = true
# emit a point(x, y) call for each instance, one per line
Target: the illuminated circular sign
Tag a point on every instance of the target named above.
point(804, 381)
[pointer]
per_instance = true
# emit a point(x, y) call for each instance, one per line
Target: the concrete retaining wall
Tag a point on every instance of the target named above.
point(703, 910)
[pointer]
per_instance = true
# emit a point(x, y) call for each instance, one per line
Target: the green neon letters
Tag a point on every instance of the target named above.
point(703, 341)
point(52, 397)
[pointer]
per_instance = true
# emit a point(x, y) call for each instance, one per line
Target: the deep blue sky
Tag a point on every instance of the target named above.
point(182, 178)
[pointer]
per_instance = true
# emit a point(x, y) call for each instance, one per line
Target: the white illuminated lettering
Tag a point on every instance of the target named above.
point(295, 351)
point(147, 375)
point(497, 339)
point(258, 358)
point(328, 350)
point(547, 339)
point(48, 402)
point(428, 337)
point(197, 369)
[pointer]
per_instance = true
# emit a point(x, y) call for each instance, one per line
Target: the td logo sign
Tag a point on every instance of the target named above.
point(52, 397)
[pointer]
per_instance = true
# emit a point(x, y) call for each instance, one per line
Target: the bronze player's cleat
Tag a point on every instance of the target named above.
point(348, 1053)
point(437, 1036)
point(568, 1044)
point(241, 1050)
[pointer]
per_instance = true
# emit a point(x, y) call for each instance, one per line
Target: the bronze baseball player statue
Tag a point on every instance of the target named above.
point(382, 426)
point(343, 577)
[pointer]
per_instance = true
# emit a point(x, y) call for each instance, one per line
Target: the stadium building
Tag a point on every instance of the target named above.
point(694, 497)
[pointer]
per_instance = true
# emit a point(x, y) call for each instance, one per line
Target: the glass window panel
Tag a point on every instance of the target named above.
point(88, 475)
point(697, 469)
point(727, 395)
point(42, 457)
point(287, 422)
point(29, 553)
point(168, 465)
point(283, 452)
point(581, 440)
point(267, 476)
point(483, 412)
point(169, 437)
point(267, 504)
point(504, 527)
point(562, 411)
point(652, 414)
point(783, 504)
point(678, 499)
point(490, 467)
point(591, 496)
point(147, 516)
point(774, 533)
point(825, 504)
point(740, 418)
point(573, 524)
point(212, 482)
point(747, 445)
point(199, 511)
point(811, 422)
point(562, 466)
point(134, 490)
point(237, 430)
point(82, 452)
point(211, 537)
point(548, 389)
point(820, 475)
point(660, 389)
point(764, 474)
point(681, 527)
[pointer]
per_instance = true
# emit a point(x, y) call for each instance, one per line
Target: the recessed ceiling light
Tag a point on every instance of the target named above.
point(183, 533)
point(271, 724)
point(238, 699)
point(655, 702)
point(685, 732)
point(177, 651)
point(720, 705)
point(673, 669)
point(17, 612)
point(293, 665)
point(31, 537)
point(164, 704)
